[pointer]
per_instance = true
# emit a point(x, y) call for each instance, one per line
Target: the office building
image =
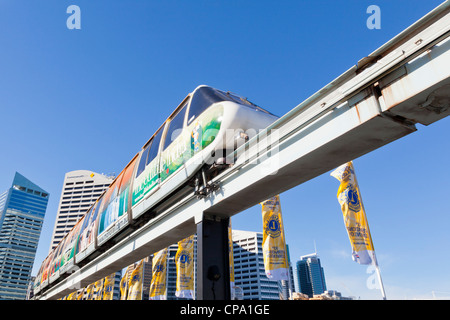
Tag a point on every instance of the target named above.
point(310, 275)
point(147, 275)
point(288, 287)
point(22, 211)
point(81, 188)
point(249, 271)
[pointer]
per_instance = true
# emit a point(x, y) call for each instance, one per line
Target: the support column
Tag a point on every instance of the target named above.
point(213, 271)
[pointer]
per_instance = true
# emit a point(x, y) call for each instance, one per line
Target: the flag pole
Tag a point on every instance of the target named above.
point(377, 268)
point(364, 217)
point(383, 294)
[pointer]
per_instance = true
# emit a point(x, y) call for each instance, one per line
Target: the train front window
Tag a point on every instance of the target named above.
point(203, 97)
point(175, 126)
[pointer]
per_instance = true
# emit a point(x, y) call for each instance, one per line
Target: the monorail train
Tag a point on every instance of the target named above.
point(183, 154)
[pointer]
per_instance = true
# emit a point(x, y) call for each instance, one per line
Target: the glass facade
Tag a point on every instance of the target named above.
point(22, 211)
point(249, 272)
point(310, 276)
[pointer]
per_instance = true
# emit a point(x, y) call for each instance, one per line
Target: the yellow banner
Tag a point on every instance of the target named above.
point(98, 290)
point(80, 294)
point(124, 282)
point(274, 245)
point(135, 282)
point(355, 219)
point(72, 296)
point(90, 292)
point(184, 260)
point(231, 261)
point(158, 288)
point(108, 287)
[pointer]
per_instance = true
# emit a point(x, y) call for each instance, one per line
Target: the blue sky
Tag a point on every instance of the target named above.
point(90, 98)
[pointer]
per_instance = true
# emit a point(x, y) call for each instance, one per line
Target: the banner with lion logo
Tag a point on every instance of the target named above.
point(158, 286)
point(274, 245)
point(184, 260)
point(355, 220)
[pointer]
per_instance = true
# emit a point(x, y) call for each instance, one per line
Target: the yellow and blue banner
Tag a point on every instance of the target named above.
point(80, 293)
point(90, 292)
point(98, 290)
point(135, 282)
point(108, 287)
point(349, 197)
point(124, 282)
point(274, 245)
point(72, 296)
point(355, 220)
point(158, 286)
point(184, 260)
point(231, 261)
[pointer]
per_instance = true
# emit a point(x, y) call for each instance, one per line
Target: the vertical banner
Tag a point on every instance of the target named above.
point(231, 261)
point(81, 293)
point(135, 282)
point(108, 286)
point(98, 290)
point(354, 216)
point(274, 246)
point(184, 260)
point(124, 282)
point(355, 220)
point(90, 292)
point(158, 288)
point(72, 296)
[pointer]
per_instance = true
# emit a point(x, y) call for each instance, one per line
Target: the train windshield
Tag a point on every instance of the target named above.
point(203, 97)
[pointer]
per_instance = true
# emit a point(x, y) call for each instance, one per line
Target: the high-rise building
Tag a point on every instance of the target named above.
point(288, 287)
point(249, 272)
point(310, 275)
point(81, 188)
point(22, 211)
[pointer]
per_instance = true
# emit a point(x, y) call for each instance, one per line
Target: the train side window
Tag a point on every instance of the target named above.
point(175, 126)
point(155, 146)
point(143, 160)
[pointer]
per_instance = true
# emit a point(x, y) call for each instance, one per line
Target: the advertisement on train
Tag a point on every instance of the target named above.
point(86, 242)
point(147, 174)
point(68, 253)
point(114, 213)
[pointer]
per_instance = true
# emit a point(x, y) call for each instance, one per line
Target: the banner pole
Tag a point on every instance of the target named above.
point(381, 282)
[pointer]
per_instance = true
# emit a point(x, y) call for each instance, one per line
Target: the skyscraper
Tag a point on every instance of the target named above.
point(22, 211)
point(80, 190)
point(249, 272)
point(310, 275)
